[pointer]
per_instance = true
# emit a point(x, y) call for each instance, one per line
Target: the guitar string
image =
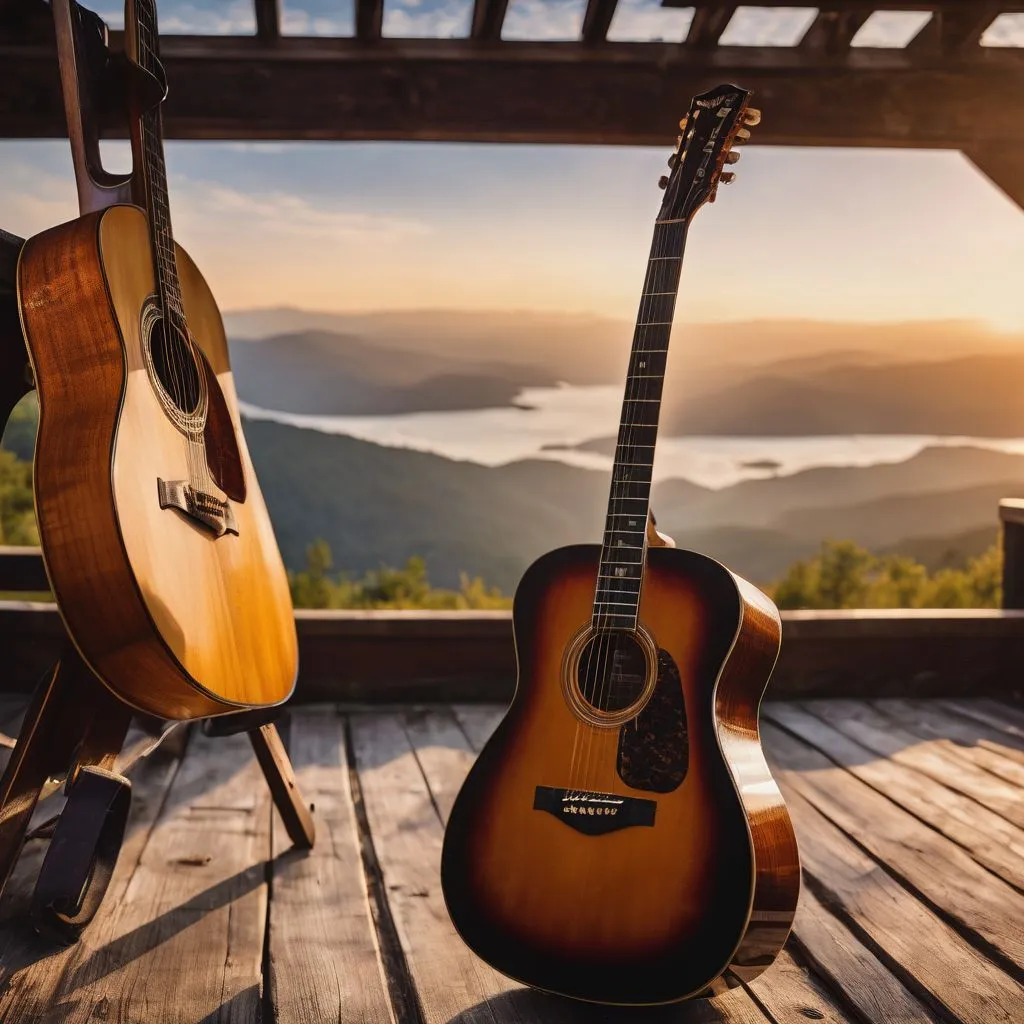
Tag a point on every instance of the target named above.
point(597, 660)
point(662, 246)
point(186, 379)
point(600, 663)
point(623, 488)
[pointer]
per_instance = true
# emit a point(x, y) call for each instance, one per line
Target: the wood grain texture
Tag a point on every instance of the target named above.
point(566, 912)
point(407, 836)
point(943, 873)
point(443, 754)
point(883, 737)
point(989, 838)
point(323, 959)
point(973, 743)
point(41, 989)
point(184, 942)
point(178, 624)
point(851, 968)
point(929, 956)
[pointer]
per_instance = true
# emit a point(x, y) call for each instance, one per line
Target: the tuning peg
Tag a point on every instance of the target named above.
point(742, 137)
point(751, 116)
point(684, 122)
point(731, 157)
point(727, 177)
point(679, 141)
point(663, 181)
point(714, 195)
point(672, 160)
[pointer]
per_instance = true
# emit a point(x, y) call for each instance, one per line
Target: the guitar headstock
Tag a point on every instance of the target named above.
point(717, 121)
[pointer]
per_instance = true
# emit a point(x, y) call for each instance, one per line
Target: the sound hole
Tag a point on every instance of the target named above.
point(613, 670)
point(175, 367)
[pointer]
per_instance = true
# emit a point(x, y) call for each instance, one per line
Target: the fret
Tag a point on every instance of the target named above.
point(607, 619)
point(656, 308)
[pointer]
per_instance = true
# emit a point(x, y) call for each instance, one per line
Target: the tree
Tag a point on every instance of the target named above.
point(844, 575)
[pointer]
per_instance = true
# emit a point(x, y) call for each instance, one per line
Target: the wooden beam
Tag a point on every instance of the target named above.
point(369, 19)
point(268, 19)
point(619, 93)
point(597, 20)
point(1003, 165)
point(861, 6)
point(409, 657)
point(22, 569)
point(951, 31)
point(833, 31)
point(488, 18)
point(708, 25)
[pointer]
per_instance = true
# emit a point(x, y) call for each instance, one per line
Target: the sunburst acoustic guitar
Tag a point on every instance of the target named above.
point(620, 838)
point(154, 533)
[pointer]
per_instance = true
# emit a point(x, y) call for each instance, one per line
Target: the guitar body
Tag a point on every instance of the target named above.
point(177, 621)
point(695, 870)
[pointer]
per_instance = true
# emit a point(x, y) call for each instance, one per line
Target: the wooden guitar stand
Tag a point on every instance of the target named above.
point(74, 731)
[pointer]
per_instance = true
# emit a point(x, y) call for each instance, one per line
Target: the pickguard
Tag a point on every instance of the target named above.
point(654, 747)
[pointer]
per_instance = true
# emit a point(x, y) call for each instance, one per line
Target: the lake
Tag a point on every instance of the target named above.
point(570, 415)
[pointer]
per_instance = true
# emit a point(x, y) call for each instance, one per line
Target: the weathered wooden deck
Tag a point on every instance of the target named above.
point(910, 818)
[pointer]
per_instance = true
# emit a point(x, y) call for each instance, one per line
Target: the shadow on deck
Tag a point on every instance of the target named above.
point(909, 813)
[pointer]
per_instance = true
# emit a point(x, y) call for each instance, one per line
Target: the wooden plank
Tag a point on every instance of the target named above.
point(407, 832)
point(323, 953)
point(488, 17)
point(930, 957)
point(597, 19)
point(1003, 165)
point(950, 31)
point(443, 753)
point(998, 714)
point(184, 941)
point(369, 19)
point(833, 31)
point(620, 93)
point(974, 743)
point(708, 24)
point(989, 838)
point(268, 19)
point(478, 721)
point(838, 955)
point(882, 736)
point(789, 991)
point(985, 907)
point(35, 989)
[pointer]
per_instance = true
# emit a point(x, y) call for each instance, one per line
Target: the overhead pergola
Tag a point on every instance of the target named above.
point(941, 90)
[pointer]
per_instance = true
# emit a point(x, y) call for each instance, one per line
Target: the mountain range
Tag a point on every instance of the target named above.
point(759, 378)
point(377, 505)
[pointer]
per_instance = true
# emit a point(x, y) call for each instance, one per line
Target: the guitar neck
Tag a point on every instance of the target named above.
point(620, 576)
point(147, 137)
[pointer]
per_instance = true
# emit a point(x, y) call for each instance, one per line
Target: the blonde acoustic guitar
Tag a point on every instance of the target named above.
point(154, 532)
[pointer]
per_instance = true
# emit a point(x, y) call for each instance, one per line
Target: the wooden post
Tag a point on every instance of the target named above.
point(1011, 516)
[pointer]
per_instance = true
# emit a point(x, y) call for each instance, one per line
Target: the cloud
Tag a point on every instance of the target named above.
point(640, 21)
point(412, 19)
point(891, 28)
point(204, 207)
point(543, 19)
point(33, 200)
point(1006, 30)
point(768, 26)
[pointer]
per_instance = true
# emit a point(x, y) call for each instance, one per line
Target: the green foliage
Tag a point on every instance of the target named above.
point(844, 575)
point(385, 587)
point(19, 436)
point(17, 519)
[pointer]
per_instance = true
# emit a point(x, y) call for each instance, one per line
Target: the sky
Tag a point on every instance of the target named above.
point(803, 233)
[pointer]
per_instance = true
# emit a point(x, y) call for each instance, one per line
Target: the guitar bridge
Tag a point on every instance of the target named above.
point(594, 813)
point(209, 511)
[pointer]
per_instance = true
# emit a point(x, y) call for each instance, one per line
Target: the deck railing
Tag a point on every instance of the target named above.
point(409, 656)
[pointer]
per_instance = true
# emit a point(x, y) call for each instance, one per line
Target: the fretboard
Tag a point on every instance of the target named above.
point(623, 553)
point(155, 170)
